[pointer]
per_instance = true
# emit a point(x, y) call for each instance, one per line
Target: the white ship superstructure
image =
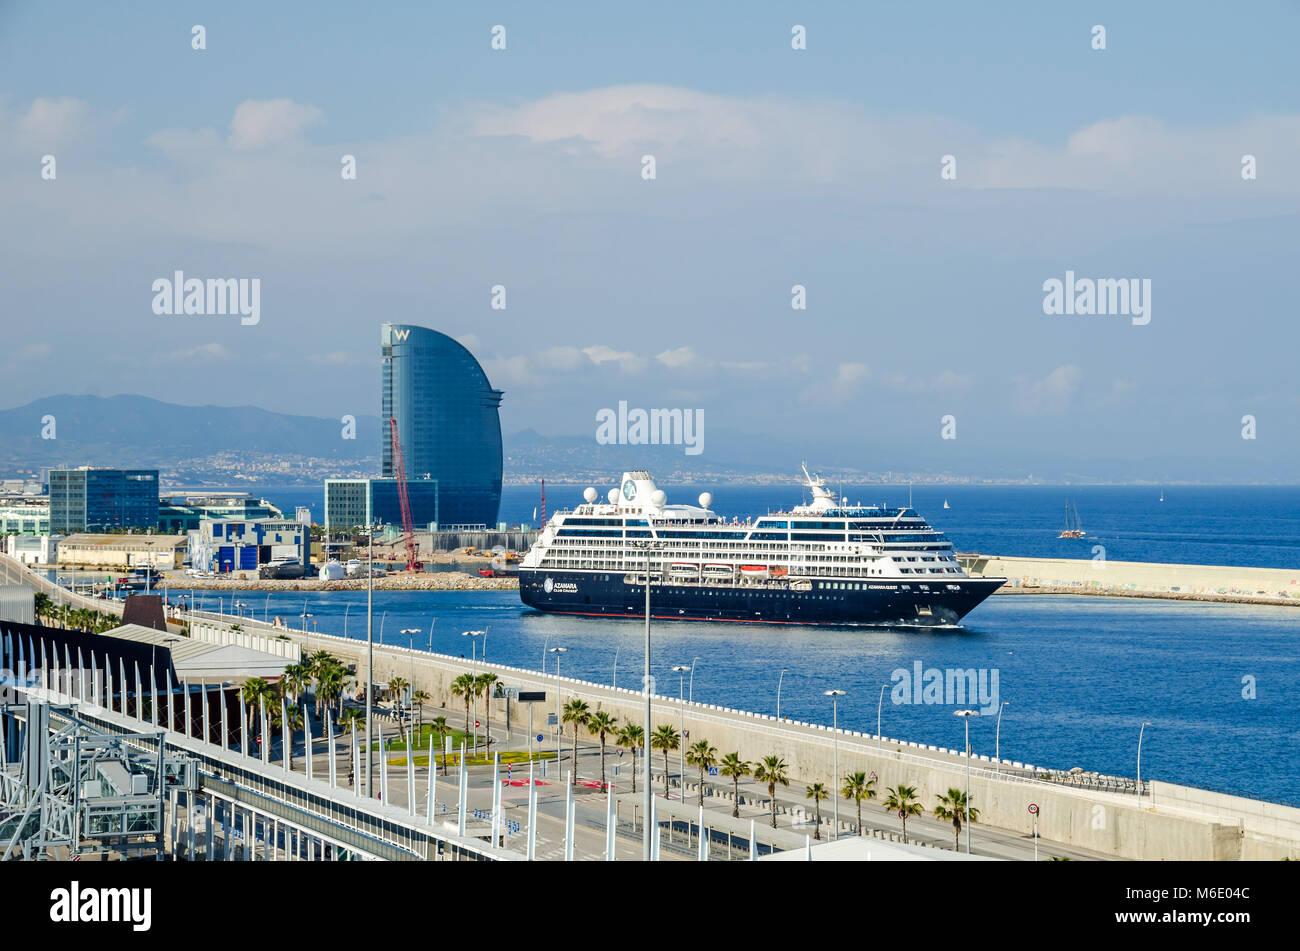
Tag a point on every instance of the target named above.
point(873, 563)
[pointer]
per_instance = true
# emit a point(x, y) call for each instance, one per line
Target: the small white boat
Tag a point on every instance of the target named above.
point(717, 570)
point(945, 504)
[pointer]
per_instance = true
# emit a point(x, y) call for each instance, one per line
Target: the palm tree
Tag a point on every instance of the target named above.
point(954, 808)
point(664, 738)
point(701, 754)
point(44, 606)
point(486, 683)
point(395, 687)
point(817, 792)
point(420, 698)
point(857, 787)
point(577, 713)
point(735, 767)
point(295, 681)
point(352, 717)
point(438, 725)
point(633, 737)
point(602, 724)
point(253, 690)
point(902, 800)
point(463, 687)
point(772, 770)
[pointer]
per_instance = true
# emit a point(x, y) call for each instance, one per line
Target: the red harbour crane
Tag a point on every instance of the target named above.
point(399, 469)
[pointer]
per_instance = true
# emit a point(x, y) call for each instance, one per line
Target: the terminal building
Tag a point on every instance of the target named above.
point(184, 513)
point(226, 545)
point(164, 552)
point(90, 499)
point(449, 423)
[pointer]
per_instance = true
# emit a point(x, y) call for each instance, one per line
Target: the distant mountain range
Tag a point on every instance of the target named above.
point(244, 443)
point(238, 445)
point(127, 431)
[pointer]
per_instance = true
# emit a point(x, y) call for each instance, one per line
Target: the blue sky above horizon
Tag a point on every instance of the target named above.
point(775, 167)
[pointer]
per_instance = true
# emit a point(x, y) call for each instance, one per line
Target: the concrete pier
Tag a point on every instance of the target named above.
point(1099, 576)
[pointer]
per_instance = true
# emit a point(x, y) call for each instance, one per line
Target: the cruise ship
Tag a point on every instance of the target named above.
point(822, 562)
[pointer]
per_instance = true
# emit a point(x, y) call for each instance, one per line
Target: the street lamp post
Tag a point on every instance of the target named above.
point(778, 693)
point(1139, 775)
point(835, 782)
point(966, 715)
point(410, 633)
point(559, 726)
point(306, 635)
point(690, 685)
point(473, 645)
point(997, 742)
point(680, 671)
point(648, 789)
point(880, 706)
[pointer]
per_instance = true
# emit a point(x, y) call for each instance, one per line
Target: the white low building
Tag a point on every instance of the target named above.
point(33, 549)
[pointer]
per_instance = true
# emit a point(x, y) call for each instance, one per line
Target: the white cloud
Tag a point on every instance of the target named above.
point(259, 122)
point(1052, 393)
point(49, 122)
point(627, 361)
point(680, 357)
point(848, 377)
point(208, 351)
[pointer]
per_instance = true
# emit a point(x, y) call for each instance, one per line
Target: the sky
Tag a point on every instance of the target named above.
point(774, 167)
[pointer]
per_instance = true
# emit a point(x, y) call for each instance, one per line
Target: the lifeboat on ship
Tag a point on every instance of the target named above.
point(755, 572)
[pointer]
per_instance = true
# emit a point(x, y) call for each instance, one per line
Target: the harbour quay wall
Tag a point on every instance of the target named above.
point(1141, 579)
point(1192, 826)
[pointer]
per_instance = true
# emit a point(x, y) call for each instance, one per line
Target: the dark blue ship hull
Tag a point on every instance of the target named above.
point(834, 602)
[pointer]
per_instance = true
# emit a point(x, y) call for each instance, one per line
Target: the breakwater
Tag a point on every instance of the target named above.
point(1098, 576)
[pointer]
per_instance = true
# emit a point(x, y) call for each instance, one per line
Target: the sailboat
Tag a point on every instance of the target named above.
point(1162, 495)
point(945, 504)
point(1073, 529)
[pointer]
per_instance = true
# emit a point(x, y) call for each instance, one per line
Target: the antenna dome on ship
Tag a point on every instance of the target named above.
point(612, 496)
point(706, 499)
point(590, 494)
point(658, 497)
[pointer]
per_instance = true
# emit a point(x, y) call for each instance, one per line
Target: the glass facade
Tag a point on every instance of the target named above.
point(449, 423)
point(96, 500)
point(354, 503)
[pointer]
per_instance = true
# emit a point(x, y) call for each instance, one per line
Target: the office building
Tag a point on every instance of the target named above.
point(89, 499)
point(356, 503)
point(449, 424)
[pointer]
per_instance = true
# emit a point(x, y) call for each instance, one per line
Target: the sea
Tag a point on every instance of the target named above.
point(1218, 684)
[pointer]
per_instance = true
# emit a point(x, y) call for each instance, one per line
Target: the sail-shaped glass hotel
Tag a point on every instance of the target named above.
point(449, 423)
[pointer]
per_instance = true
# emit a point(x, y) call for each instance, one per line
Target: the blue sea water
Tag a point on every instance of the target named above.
point(1079, 674)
